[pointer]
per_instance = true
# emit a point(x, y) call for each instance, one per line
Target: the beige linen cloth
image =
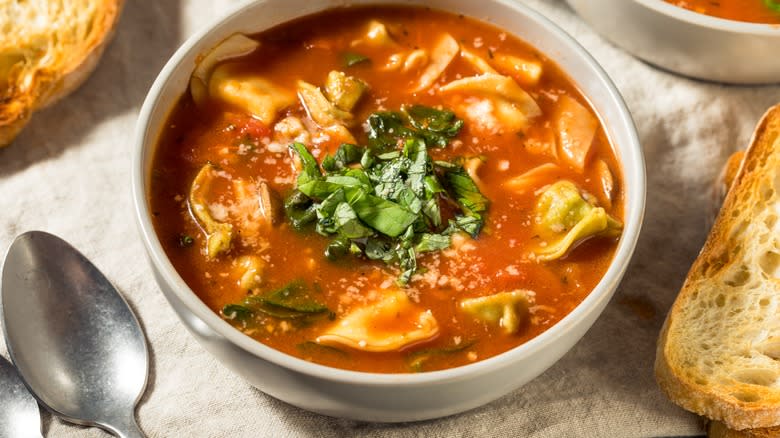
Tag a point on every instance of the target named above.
point(69, 174)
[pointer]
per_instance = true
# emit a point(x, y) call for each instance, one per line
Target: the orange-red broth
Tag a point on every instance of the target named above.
point(753, 11)
point(308, 49)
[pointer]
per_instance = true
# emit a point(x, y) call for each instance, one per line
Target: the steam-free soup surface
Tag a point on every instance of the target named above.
point(481, 201)
point(755, 11)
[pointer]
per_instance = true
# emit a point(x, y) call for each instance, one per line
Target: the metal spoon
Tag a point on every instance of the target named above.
point(19, 415)
point(71, 335)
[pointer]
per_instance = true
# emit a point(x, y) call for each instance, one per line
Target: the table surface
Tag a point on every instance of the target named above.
point(69, 173)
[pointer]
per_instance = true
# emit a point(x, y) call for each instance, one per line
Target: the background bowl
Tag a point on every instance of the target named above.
point(388, 397)
point(686, 42)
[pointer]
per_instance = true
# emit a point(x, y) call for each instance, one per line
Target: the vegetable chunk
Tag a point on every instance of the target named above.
point(564, 219)
point(344, 91)
point(388, 325)
point(320, 109)
point(218, 235)
point(506, 309)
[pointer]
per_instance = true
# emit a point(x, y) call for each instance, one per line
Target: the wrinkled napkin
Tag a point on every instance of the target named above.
point(69, 173)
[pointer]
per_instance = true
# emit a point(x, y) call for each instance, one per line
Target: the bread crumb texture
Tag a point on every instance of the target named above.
point(47, 49)
point(719, 350)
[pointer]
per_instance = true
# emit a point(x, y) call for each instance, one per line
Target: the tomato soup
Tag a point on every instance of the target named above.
point(387, 190)
point(754, 11)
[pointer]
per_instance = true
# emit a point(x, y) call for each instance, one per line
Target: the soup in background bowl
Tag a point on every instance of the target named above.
point(410, 199)
point(753, 11)
point(690, 43)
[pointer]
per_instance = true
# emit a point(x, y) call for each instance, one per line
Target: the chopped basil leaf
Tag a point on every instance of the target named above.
point(433, 242)
point(300, 209)
point(345, 155)
point(382, 202)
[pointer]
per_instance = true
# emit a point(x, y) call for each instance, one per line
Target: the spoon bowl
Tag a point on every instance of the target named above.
point(19, 415)
point(73, 338)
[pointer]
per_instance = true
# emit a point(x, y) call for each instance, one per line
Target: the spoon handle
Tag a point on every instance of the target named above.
point(125, 427)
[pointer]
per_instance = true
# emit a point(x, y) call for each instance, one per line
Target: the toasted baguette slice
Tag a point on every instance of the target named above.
point(719, 349)
point(716, 429)
point(47, 49)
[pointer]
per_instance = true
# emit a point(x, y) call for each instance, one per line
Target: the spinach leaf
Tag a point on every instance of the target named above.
point(418, 359)
point(291, 302)
point(436, 126)
point(237, 312)
point(313, 348)
point(295, 297)
point(351, 59)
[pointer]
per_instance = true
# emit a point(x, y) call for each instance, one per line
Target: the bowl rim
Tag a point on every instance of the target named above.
point(717, 23)
point(632, 161)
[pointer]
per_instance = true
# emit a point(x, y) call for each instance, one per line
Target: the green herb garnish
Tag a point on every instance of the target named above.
point(418, 359)
point(185, 240)
point(773, 5)
point(292, 302)
point(383, 202)
point(351, 58)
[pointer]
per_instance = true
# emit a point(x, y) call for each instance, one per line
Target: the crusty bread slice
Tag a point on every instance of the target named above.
point(716, 429)
point(47, 49)
point(719, 349)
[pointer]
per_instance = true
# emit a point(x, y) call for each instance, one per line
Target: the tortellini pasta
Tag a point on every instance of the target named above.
point(512, 105)
point(575, 127)
point(253, 94)
point(387, 325)
point(218, 235)
point(524, 71)
point(506, 309)
point(250, 269)
point(564, 219)
point(442, 55)
point(234, 46)
point(376, 36)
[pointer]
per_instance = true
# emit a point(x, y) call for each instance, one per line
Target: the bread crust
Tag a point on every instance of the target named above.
point(39, 86)
point(711, 390)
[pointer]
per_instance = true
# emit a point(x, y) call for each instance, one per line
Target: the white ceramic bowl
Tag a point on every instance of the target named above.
point(387, 397)
point(686, 42)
